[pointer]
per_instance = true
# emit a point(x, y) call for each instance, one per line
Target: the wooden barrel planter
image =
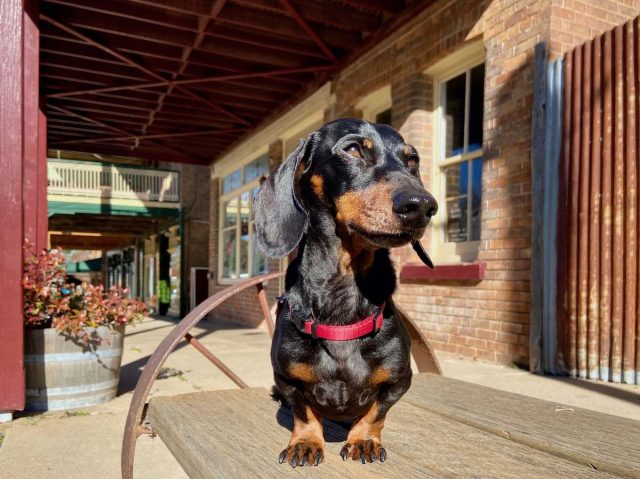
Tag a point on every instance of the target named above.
point(62, 373)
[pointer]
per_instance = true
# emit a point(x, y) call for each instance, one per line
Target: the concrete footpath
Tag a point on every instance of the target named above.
point(86, 443)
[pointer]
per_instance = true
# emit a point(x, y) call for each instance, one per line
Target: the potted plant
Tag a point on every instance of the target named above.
point(73, 335)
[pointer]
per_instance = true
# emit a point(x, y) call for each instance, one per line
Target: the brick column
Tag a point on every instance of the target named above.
point(214, 212)
point(411, 115)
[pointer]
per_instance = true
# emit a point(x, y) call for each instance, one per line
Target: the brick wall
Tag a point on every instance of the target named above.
point(194, 185)
point(575, 21)
point(487, 320)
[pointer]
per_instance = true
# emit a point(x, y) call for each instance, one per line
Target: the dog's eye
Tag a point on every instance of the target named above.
point(353, 150)
point(412, 163)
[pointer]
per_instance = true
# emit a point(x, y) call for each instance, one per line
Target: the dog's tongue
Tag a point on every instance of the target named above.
point(422, 254)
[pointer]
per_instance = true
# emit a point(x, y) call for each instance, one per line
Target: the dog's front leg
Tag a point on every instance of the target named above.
point(306, 446)
point(364, 441)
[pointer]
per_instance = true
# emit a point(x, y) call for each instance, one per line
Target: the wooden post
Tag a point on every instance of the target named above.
point(43, 214)
point(537, 202)
point(11, 235)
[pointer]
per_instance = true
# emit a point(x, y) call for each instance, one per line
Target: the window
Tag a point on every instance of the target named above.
point(239, 256)
point(376, 106)
point(458, 153)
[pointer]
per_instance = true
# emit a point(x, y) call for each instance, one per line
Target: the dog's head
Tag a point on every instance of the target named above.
point(364, 175)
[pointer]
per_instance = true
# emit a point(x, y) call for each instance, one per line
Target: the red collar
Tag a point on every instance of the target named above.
point(371, 324)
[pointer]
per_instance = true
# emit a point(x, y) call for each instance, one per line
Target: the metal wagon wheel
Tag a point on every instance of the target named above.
point(135, 426)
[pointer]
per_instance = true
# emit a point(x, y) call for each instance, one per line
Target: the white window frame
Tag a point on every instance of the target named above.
point(237, 193)
point(375, 103)
point(454, 65)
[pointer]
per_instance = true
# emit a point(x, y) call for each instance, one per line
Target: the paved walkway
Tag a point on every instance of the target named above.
point(85, 444)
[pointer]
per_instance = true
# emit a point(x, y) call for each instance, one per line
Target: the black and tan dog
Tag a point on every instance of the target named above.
point(347, 194)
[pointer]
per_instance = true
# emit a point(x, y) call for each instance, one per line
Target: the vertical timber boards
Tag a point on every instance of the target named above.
point(11, 233)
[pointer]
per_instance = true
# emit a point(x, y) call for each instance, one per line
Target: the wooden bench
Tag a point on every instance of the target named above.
point(442, 428)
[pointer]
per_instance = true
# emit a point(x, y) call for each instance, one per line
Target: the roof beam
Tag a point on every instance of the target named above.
point(121, 131)
point(385, 6)
point(160, 135)
point(203, 22)
point(310, 31)
point(142, 68)
point(323, 13)
point(120, 9)
point(197, 81)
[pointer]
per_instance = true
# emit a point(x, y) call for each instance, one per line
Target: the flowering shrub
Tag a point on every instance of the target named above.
point(49, 301)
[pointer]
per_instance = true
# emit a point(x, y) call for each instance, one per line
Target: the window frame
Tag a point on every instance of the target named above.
point(224, 198)
point(375, 103)
point(461, 62)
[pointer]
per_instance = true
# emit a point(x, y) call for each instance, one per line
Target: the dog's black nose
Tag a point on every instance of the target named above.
point(414, 205)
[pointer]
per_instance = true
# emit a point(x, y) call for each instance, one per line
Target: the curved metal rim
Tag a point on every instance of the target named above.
point(159, 356)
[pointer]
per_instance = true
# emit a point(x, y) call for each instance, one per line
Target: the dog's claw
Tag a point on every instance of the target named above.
point(302, 454)
point(383, 454)
point(367, 450)
point(344, 452)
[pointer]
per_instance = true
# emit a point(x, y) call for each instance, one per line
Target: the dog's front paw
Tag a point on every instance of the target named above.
point(364, 450)
point(302, 453)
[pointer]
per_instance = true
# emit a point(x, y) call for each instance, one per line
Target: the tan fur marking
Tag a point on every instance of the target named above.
point(306, 438)
point(303, 372)
point(379, 376)
point(353, 257)
point(317, 184)
point(367, 143)
point(407, 150)
point(366, 427)
point(369, 209)
point(311, 430)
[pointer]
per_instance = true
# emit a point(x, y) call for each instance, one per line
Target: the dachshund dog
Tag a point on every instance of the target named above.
point(347, 194)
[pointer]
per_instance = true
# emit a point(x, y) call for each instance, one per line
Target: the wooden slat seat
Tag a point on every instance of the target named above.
point(601, 441)
point(444, 428)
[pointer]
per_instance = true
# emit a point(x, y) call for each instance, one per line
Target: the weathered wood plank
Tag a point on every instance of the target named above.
point(452, 449)
point(601, 441)
point(240, 433)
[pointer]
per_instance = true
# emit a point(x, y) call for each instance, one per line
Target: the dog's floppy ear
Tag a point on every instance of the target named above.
point(280, 218)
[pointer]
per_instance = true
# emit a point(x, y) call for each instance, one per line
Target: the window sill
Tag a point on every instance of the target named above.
point(466, 273)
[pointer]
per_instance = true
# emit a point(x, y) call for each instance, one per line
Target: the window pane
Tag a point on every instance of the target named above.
point(384, 117)
point(457, 180)
point(257, 168)
point(244, 233)
point(476, 198)
point(454, 115)
point(231, 182)
point(260, 265)
point(476, 107)
point(457, 220)
point(229, 254)
point(230, 212)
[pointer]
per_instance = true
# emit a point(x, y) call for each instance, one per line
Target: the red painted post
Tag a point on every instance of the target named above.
point(30, 138)
point(43, 215)
point(11, 234)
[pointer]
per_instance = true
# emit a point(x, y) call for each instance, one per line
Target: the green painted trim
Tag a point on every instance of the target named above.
point(85, 266)
point(70, 208)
